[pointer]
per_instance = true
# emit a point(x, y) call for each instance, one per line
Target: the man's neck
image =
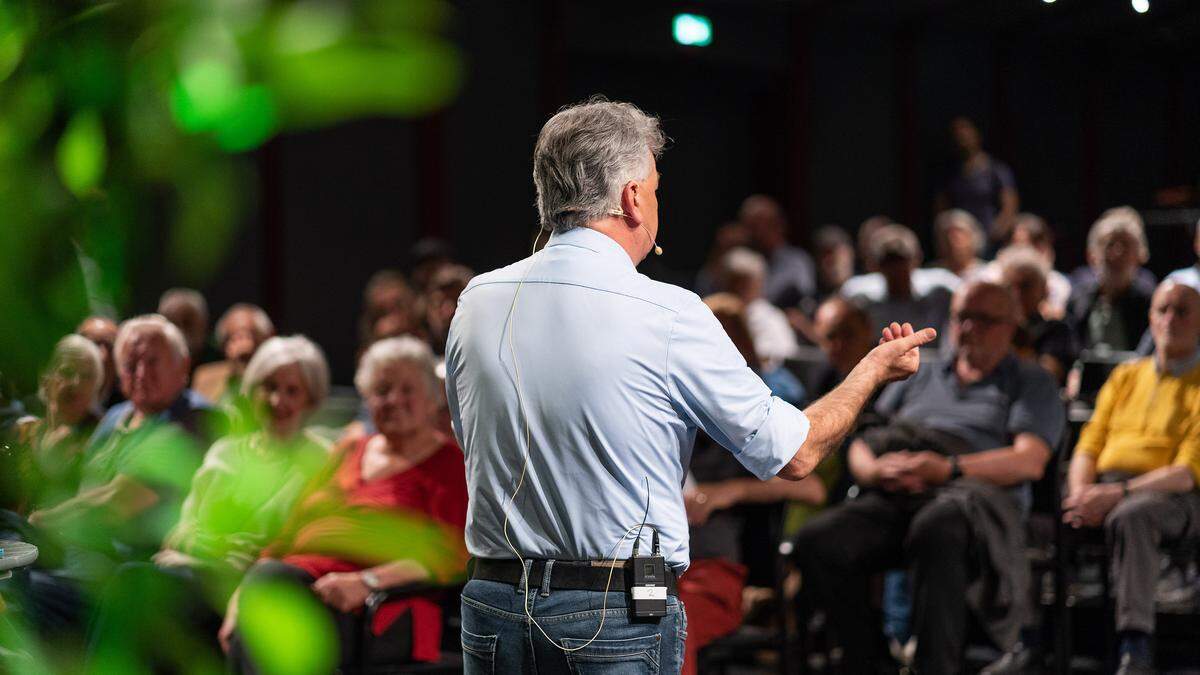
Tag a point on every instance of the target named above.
point(970, 373)
point(632, 240)
point(1174, 362)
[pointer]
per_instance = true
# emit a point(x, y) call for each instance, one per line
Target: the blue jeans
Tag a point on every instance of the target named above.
point(498, 638)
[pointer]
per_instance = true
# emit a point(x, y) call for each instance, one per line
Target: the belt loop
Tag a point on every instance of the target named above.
point(528, 564)
point(546, 579)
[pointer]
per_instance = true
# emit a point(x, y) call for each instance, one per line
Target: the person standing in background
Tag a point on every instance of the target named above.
point(982, 185)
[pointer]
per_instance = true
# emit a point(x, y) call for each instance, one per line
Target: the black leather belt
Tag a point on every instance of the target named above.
point(567, 575)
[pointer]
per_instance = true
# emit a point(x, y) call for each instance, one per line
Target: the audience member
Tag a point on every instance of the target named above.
point(51, 466)
point(900, 290)
point(425, 258)
point(835, 260)
point(745, 274)
point(727, 237)
point(1190, 275)
point(188, 310)
point(392, 515)
point(102, 331)
point(441, 301)
point(240, 331)
point(1110, 306)
point(863, 242)
point(1050, 342)
point(238, 502)
point(960, 241)
point(946, 482)
point(1137, 463)
point(717, 484)
point(1032, 230)
point(844, 334)
point(141, 459)
point(981, 184)
point(388, 308)
point(247, 484)
point(732, 312)
point(791, 276)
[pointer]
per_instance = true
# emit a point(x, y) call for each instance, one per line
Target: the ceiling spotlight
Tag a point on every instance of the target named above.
point(1048, 2)
point(1141, 6)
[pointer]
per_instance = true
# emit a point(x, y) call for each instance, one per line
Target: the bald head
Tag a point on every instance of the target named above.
point(983, 320)
point(844, 333)
point(1175, 319)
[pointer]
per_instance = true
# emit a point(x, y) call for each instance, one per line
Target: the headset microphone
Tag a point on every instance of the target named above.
point(657, 248)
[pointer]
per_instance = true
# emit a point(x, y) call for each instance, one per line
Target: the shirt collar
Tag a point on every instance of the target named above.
point(587, 238)
point(1178, 367)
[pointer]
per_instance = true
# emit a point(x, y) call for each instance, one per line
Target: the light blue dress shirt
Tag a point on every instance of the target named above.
point(617, 374)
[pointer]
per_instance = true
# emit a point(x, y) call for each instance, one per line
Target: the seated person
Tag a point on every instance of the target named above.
point(965, 437)
point(834, 252)
point(440, 302)
point(1137, 463)
point(240, 331)
point(900, 291)
point(50, 465)
point(248, 484)
point(393, 514)
point(1050, 342)
point(960, 240)
point(188, 310)
point(137, 468)
point(102, 331)
point(791, 276)
point(1031, 230)
point(1111, 300)
point(743, 273)
point(239, 500)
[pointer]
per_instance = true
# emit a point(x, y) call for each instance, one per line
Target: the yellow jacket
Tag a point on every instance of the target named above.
point(1145, 420)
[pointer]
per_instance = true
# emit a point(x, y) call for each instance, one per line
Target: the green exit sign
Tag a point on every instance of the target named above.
point(692, 30)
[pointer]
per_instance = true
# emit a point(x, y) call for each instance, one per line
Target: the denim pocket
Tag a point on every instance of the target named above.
point(479, 653)
point(630, 656)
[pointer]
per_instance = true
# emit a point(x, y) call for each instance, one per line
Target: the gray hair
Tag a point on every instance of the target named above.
point(403, 349)
point(743, 262)
point(1118, 219)
point(585, 155)
point(262, 322)
point(962, 219)
point(1023, 259)
point(187, 296)
point(895, 239)
point(84, 355)
point(149, 324)
point(280, 352)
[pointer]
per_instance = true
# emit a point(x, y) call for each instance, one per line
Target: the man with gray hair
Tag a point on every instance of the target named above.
point(576, 387)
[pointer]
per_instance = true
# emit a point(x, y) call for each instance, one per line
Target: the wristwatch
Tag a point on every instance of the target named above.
point(955, 469)
point(370, 580)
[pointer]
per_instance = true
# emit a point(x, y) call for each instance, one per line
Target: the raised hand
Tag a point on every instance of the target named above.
point(897, 356)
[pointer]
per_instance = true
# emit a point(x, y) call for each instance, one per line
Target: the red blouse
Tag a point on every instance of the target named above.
point(355, 524)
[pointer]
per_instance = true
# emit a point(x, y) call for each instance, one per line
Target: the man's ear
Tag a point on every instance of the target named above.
point(631, 199)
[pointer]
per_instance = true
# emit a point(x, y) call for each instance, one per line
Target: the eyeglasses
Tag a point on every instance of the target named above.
point(981, 319)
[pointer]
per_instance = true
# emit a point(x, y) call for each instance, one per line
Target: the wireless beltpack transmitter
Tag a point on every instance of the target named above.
point(648, 592)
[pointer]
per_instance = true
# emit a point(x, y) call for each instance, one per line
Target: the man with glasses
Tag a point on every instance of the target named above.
point(945, 486)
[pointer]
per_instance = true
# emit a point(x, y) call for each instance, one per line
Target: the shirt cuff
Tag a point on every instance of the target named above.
point(777, 440)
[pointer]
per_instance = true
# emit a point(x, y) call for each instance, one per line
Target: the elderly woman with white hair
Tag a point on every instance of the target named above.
point(1110, 306)
point(392, 514)
point(248, 483)
point(49, 469)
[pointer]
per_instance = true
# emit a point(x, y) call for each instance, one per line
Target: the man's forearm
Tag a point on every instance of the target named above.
point(1164, 479)
point(1081, 473)
point(831, 418)
point(1011, 465)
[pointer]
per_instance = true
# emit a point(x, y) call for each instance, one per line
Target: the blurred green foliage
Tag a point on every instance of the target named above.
point(127, 130)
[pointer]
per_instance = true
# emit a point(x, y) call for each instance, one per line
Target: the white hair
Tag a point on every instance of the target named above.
point(961, 219)
point(403, 349)
point(280, 352)
point(1023, 259)
point(743, 262)
point(585, 155)
point(262, 322)
point(81, 353)
point(149, 324)
point(1118, 219)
